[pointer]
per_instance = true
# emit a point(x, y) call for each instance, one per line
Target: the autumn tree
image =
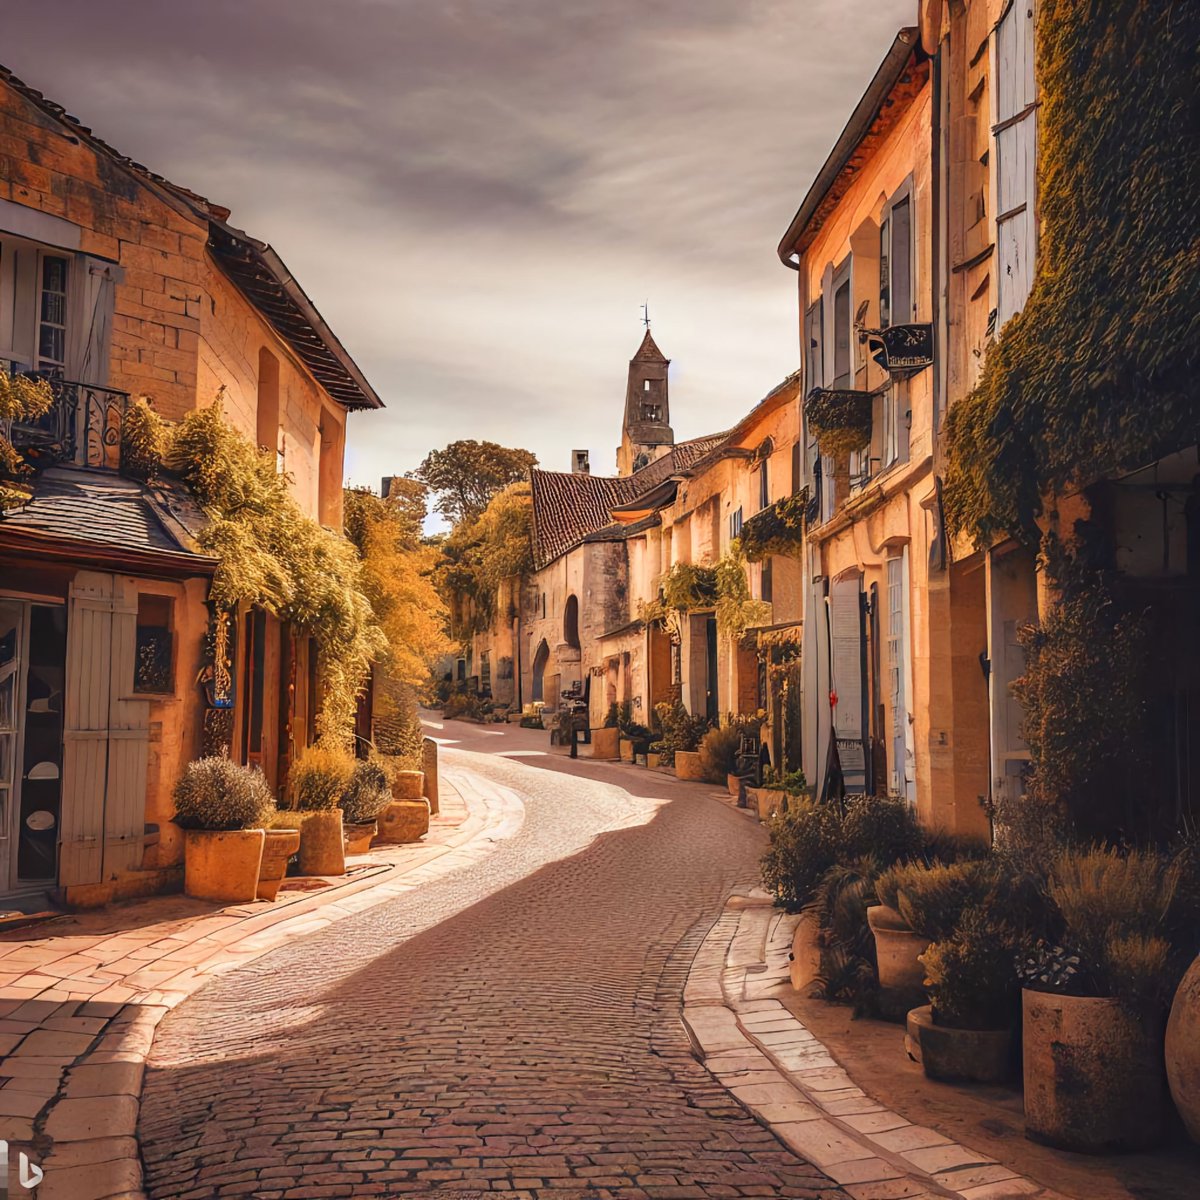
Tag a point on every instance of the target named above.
point(467, 474)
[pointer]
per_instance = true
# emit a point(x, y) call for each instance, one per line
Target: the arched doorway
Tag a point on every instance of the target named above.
point(540, 658)
point(571, 622)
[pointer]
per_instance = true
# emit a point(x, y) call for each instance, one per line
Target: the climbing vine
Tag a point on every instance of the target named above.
point(22, 398)
point(689, 587)
point(777, 529)
point(839, 420)
point(1097, 373)
point(736, 610)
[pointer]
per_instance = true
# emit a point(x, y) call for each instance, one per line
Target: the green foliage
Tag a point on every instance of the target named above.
point(467, 474)
point(776, 529)
point(839, 420)
point(272, 555)
point(688, 587)
point(1083, 692)
point(1097, 373)
point(792, 782)
point(1115, 909)
point(840, 902)
point(319, 777)
point(736, 611)
point(971, 975)
point(143, 440)
point(678, 730)
point(219, 794)
point(808, 839)
point(719, 747)
point(932, 899)
point(367, 792)
point(22, 398)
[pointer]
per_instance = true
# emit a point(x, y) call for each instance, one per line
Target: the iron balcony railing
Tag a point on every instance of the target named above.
point(83, 425)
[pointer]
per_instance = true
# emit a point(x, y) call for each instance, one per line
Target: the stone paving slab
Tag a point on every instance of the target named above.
point(774, 1066)
point(81, 997)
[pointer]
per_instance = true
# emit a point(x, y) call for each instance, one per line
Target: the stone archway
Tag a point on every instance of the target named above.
point(540, 658)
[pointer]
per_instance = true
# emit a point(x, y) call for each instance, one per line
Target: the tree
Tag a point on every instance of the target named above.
point(467, 474)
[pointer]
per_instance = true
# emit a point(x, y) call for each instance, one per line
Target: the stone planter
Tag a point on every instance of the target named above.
point(652, 760)
point(322, 844)
point(804, 962)
point(403, 821)
point(279, 846)
point(901, 975)
point(1094, 1077)
point(358, 837)
point(1183, 1050)
point(687, 766)
point(768, 801)
point(959, 1055)
point(408, 785)
point(606, 743)
point(223, 865)
point(626, 750)
point(733, 785)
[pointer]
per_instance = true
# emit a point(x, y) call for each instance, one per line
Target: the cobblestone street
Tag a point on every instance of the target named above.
point(513, 1028)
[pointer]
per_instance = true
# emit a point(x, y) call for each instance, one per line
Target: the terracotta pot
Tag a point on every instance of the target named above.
point(897, 948)
point(959, 1055)
point(652, 760)
point(606, 743)
point(1094, 1077)
point(1183, 1050)
point(626, 750)
point(733, 785)
point(687, 766)
point(223, 865)
point(408, 785)
point(322, 844)
point(358, 837)
point(767, 801)
point(805, 959)
point(403, 821)
point(280, 845)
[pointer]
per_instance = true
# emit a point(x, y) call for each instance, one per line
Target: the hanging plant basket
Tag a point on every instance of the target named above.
point(839, 419)
point(777, 529)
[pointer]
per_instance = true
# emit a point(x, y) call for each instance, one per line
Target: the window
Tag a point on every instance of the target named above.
point(253, 679)
point(814, 365)
point(764, 487)
point(571, 622)
point(267, 423)
point(52, 313)
point(645, 385)
point(735, 523)
point(797, 468)
point(652, 412)
point(154, 662)
point(767, 583)
point(895, 264)
point(841, 332)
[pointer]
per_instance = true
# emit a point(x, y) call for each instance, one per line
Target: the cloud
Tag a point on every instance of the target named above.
point(479, 194)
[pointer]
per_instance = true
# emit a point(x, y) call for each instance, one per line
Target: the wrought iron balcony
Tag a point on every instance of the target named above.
point(82, 426)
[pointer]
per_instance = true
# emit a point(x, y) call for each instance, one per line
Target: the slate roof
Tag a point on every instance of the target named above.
point(569, 508)
point(101, 509)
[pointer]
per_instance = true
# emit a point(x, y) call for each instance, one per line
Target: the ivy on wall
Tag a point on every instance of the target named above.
point(1097, 373)
point(776, 529)
point(736, 610)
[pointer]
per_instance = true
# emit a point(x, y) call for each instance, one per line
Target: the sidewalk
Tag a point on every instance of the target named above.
point(81, 995)
point(749, 1026)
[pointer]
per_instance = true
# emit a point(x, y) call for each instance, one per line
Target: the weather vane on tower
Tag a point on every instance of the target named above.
point(646, 314)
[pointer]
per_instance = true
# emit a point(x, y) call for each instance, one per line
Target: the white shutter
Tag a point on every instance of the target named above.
point(846, 653)
point(105, 735)
point(85, 728)
point(91, 286)
point(902, 760)
point(128, 741)
point(1016, 159)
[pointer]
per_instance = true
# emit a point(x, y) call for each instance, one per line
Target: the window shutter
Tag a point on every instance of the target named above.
point(91, 287)
point(847, 650)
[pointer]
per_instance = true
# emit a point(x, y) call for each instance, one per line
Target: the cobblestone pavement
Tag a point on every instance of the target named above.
point(513, 1028)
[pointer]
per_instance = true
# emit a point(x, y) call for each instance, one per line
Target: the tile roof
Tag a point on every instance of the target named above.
point(80, 505)
point(569, 508)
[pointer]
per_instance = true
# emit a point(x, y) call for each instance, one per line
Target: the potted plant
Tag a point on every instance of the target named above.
point(222, 807)
point(919, 903)
point(367, 793)
point(719, 750)
point(1094, 1003)
point(965, 1032)
point(780, 788)
point(282, 841)
point(316, 783)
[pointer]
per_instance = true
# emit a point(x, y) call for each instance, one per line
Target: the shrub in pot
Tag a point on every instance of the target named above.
point(1094, 1003)
point(317, 780)
point(366, 794)
point(965, 1032)
point(222, 807)
point(719, 747)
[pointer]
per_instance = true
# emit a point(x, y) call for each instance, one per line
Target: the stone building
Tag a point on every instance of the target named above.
point(117, 284)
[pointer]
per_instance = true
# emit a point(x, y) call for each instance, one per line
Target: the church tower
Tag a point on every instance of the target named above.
point(646, 433)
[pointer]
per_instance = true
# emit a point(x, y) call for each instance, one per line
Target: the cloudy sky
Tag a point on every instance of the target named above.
point(479, 194)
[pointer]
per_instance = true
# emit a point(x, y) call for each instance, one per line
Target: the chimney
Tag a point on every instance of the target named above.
point(580, 465)
point(385, 485)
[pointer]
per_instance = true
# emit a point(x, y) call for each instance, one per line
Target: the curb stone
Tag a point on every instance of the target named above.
point(789, 1082)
